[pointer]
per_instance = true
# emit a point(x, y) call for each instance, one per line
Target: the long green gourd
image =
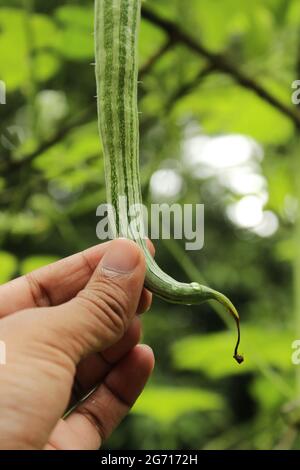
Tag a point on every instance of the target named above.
point(116, 39)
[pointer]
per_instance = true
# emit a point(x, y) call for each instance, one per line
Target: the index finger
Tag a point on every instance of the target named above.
point(53, 284)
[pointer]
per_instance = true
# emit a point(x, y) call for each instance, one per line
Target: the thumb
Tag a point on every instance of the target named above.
point(101, 313)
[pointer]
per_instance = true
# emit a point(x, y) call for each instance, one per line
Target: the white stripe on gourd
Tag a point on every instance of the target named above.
point(116, 39)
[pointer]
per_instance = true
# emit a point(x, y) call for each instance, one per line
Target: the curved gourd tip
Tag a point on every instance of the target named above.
point(222, 299)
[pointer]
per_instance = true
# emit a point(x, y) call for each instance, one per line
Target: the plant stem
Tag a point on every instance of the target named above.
point(30, 85)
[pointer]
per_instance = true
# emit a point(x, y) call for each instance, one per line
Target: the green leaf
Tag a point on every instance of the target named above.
point(222, 107)
point(12, 46)
point(8, 266)
point(14, 49)
point(76, 44)
point(165, 404)
point(212, 354)
point(80, 16)
point(72, 153)
point(46, 65)
point(286, 249)
point(77, 24)
point(35, 262)
point(26, 223)
point(264, 392)
point(280, 182)
point(294, 13)
point(45, 32)
point(150, 40)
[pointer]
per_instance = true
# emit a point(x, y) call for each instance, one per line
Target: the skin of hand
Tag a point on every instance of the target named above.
point(77, 318)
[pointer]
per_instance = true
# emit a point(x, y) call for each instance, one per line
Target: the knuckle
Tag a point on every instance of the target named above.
point(38, 292)
point(91, 411)
point(109, 304)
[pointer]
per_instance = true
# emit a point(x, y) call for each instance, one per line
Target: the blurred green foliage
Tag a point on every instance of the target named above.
point(52, 180)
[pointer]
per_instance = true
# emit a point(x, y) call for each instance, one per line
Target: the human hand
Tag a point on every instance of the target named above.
point(74, 319)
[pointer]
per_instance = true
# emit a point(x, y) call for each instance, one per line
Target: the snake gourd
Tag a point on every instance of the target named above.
point(116, 40)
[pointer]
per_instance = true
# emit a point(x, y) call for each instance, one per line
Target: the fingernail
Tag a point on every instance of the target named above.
point(121, 258)
point(146, 347)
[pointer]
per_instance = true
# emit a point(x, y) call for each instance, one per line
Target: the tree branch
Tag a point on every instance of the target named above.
point(82, 118)
point(221, 63)
point(187, 87)
point(147, 67)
